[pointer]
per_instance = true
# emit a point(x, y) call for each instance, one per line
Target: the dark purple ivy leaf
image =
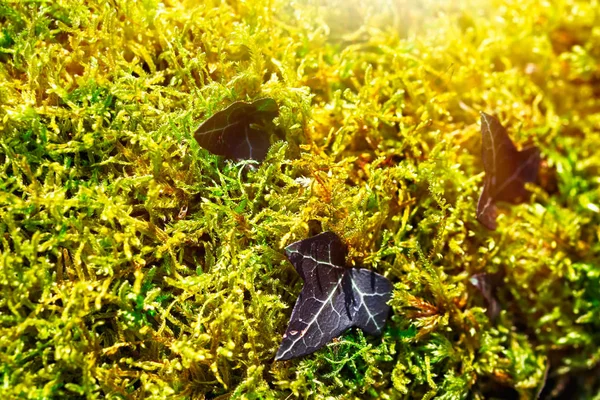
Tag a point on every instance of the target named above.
point(540, 389)
point(506, 170)
point(487, 283)
point(333, 298)
point(239, 131)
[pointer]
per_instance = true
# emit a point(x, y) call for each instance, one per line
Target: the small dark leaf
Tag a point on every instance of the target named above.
point(333, 299)
point(486, 284)
point(506, 170)
point(540, 389)
point(239, 131)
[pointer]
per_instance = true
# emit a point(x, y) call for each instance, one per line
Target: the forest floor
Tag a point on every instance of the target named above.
point(136, 264)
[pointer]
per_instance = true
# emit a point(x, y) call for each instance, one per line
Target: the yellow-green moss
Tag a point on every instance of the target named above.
point(134, 264)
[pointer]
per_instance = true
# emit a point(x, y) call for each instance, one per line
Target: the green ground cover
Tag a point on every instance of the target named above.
point(134, 264)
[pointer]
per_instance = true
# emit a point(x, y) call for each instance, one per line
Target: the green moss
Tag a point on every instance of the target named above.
point(133, 263)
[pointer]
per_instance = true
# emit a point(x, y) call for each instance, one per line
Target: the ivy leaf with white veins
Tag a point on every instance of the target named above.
point(241, 131)
point(487, 284)
point(506, 170)
point(333, 298)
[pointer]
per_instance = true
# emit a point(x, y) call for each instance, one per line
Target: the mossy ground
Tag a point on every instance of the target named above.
point(134, 264)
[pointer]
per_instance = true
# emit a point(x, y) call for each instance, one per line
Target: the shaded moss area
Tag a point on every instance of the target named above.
point(134, 264)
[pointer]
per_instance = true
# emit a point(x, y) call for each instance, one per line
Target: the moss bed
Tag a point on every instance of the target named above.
point(136, 265)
